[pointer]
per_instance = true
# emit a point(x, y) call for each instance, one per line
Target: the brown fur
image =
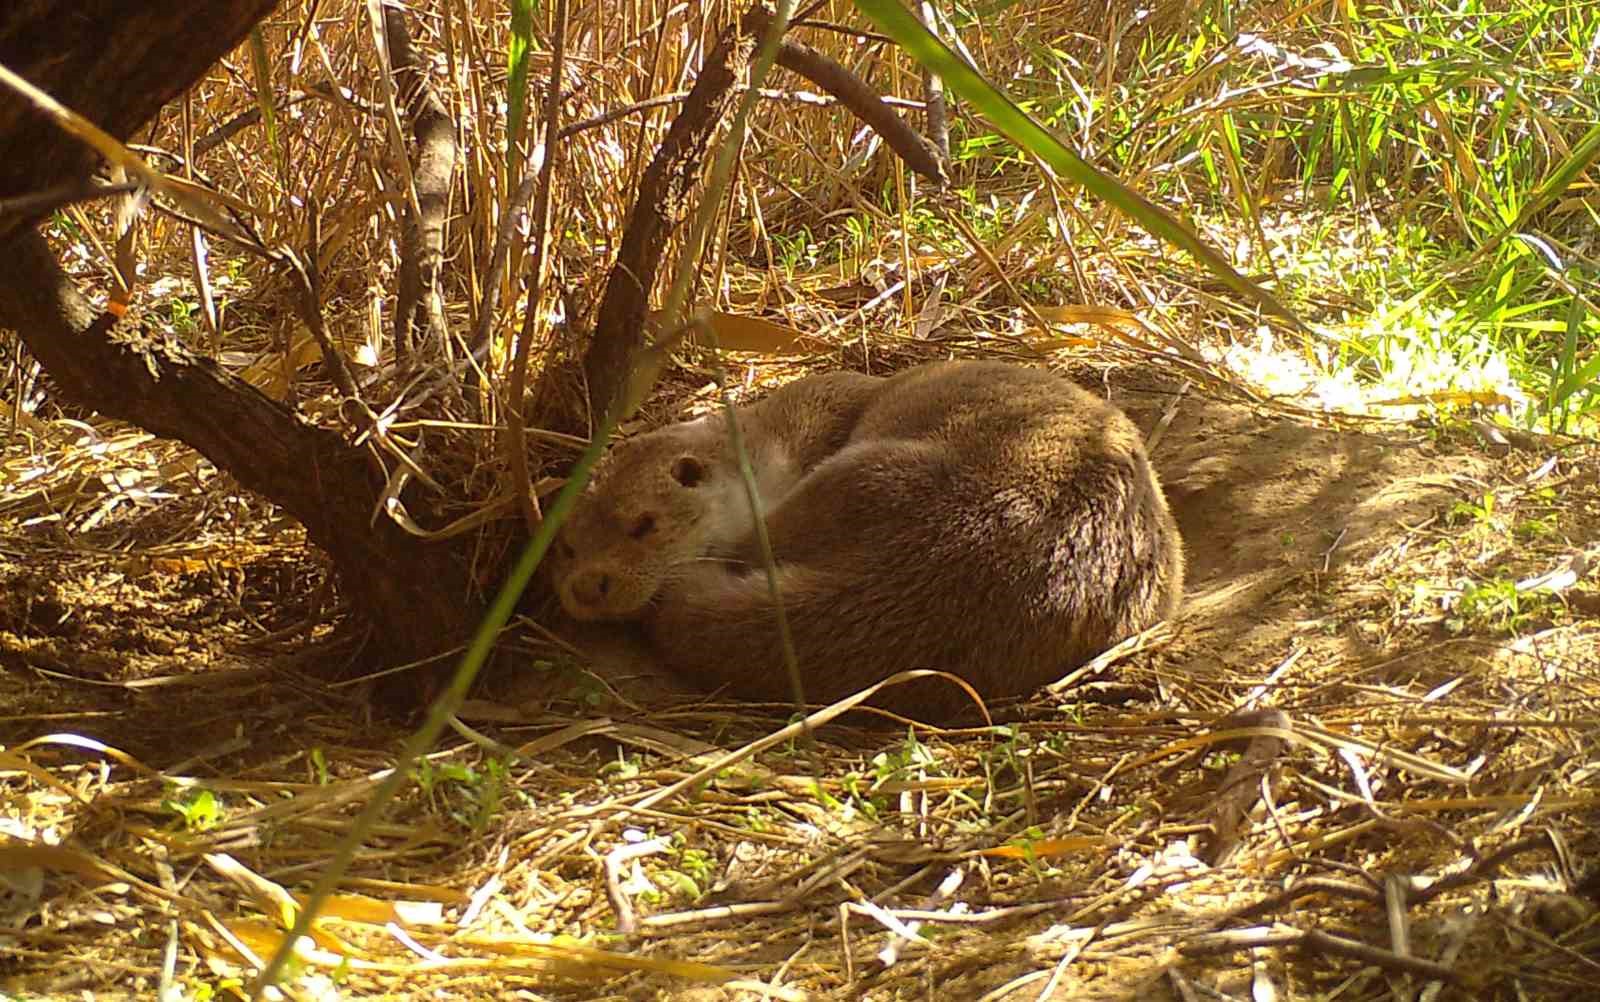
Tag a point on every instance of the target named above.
point(991, 520)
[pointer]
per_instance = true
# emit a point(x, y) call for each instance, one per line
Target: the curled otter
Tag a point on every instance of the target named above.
point(987, 519)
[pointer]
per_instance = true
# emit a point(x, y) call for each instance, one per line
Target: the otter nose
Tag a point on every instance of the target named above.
point(590, 587)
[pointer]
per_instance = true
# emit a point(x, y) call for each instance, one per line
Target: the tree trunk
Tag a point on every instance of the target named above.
point(117, 64)
point(115, 61)
point(402, 585)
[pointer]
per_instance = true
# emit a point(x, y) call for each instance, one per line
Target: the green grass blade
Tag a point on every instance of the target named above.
point(1017, 126)
point(446, 704)
point(1583, 155)
point(518, 46)
point(1575, 378)
point(261, 66)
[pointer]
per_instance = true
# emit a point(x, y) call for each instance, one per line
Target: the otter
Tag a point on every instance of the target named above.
point(988, 519)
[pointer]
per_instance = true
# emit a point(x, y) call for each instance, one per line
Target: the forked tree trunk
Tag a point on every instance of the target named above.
point(117, 63)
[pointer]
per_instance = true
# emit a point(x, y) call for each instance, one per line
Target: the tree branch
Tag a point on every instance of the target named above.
point(161, 386)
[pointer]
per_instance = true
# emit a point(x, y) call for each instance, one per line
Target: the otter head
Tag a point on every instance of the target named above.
point(657, 503)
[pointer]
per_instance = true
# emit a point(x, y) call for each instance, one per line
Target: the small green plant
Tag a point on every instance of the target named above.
point(1494, 605)
point(860, 793)
point(653, 897)
point(1059, 745)
point(197, 808)
point(205, 991)
point(1220, 761)
point(490, 794)
point(623, 767)
point(1480, 513)
point(691, 878)
point(825, 798)
point(757, 819)
point(795, 251)
point(1415, 598)
point(1027, 841)
point(468, 796)
point(200, 991)
point(698, 864)
point(425, 774)
point(1073, 712)
point(1571, 382)
point(923, 225)
point(679, 884)
point(1011, 745)
point(588, 689)
point(181, 314)
point(319, 766)
point(912, 759)
point(857, 242)
point(582, 685)
point(1535, 527)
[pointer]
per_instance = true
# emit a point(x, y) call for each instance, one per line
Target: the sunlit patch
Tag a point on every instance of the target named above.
point(1401, 373)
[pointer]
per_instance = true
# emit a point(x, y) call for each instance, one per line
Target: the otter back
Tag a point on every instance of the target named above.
point(990, 520)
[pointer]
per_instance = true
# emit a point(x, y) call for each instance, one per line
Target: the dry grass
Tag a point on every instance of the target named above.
point(171, 772)
point(1064, 846)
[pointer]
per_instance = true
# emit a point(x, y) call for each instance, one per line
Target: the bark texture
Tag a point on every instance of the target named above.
point(117, 64)
point(114, 61)
point(410, 591)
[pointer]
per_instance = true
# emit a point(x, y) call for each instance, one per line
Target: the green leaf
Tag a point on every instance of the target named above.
point(518, 47)
point(1016, 125)
point(1583, 155)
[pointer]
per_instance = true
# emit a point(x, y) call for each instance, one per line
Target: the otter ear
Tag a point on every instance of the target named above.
point(688, 471)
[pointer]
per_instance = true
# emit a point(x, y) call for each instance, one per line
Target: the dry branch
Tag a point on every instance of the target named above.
point(1245, 783)
point(419, 306)
point(937, 115)
point(866, 104)
point(662, 198)
point(414, 594)
point(659, 207)
point(1321, 942)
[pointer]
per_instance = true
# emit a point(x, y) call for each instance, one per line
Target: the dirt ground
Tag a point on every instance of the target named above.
point(1367, 751)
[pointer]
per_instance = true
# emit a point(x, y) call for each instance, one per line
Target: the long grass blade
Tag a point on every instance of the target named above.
point(1021, 128)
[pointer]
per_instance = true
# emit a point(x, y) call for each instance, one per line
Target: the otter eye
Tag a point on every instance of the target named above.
point(642, 526)
point(688, 471)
